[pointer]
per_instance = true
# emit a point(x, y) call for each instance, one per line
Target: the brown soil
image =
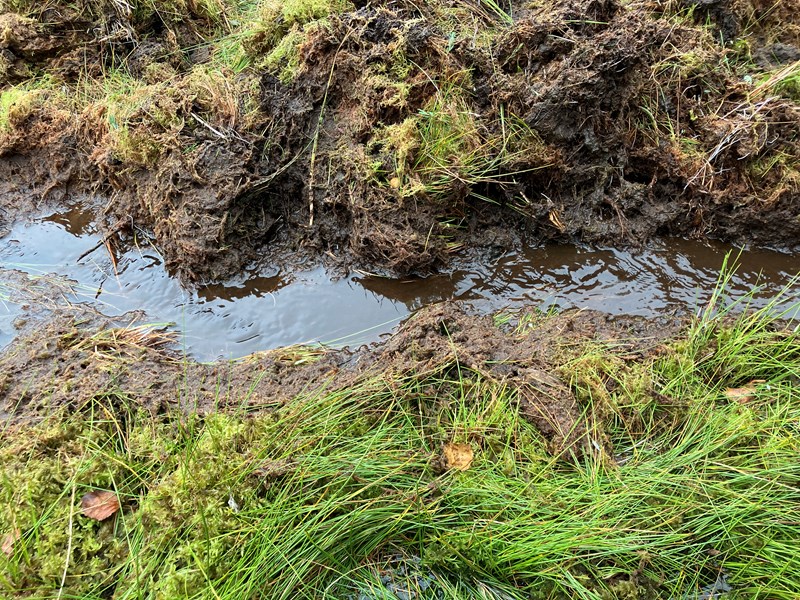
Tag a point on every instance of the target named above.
point(77, 358)
point(309, 169)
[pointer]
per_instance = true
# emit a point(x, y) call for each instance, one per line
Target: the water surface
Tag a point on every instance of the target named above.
point(267, 308)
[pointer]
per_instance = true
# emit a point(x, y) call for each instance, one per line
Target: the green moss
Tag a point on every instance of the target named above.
point(443, 151)
point(135, 148)
point(275, 19)
point(284, 58)
point(400, 141)
point(16, 103)
point(216, 95)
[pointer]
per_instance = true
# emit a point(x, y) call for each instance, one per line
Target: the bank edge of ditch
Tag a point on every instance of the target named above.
point(392, 135)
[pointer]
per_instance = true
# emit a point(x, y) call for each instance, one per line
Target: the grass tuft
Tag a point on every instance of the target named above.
point(444, 153)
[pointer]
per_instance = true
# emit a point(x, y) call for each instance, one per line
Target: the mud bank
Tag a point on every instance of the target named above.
point(393, 135)
point(79, 357)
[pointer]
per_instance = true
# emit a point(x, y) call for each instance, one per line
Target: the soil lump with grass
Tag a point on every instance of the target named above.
point(373, 135)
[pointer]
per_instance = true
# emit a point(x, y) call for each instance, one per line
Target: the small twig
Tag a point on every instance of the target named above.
point(208, 126)
point(69, 543)
point(113, 259)
point(104, 241)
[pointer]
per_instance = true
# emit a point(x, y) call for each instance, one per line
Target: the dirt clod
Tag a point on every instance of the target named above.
point(378, 137)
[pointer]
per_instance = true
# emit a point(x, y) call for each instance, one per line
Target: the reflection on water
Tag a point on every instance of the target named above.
point(268, 309)
point(669, 276)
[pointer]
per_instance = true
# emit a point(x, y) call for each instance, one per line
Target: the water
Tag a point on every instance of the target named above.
point(269, 308)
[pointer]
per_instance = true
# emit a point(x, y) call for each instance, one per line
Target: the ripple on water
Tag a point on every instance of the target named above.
point(269, 308)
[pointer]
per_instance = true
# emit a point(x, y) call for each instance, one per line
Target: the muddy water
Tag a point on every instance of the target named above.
point(265, 309)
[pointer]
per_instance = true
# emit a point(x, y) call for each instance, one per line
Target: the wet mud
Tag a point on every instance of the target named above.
point(589, 121)
point(70, 362)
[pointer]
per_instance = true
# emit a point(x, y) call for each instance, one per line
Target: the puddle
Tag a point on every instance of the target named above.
point(268, 309)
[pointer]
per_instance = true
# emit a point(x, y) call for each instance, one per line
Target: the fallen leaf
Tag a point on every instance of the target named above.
point(744, 394)
point(99, 505)
point(457, 456)
point(8, 541)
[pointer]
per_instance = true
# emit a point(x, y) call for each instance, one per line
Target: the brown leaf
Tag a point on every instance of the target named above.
point(457, 456)
point(744, 394)
point(99, 505)
point(9, 539)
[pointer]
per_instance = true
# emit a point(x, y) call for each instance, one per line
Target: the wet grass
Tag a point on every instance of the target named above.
point(348, 493)
point(452, 151)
